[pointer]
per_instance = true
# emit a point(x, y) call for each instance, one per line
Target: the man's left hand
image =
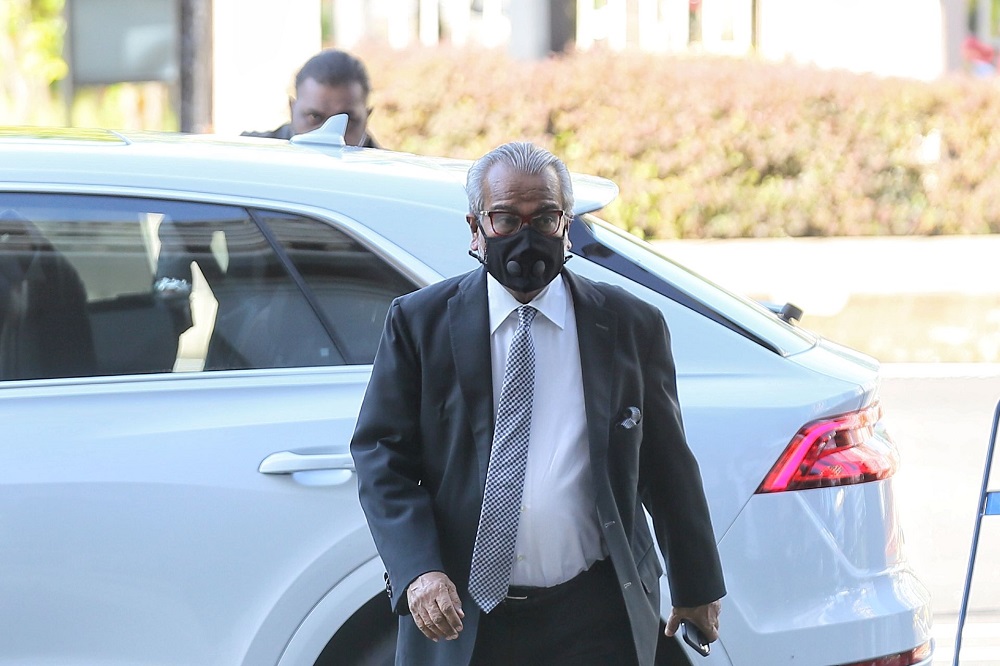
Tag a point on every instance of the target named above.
point(705, 617)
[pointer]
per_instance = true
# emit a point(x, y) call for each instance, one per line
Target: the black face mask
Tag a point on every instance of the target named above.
point(525, 261)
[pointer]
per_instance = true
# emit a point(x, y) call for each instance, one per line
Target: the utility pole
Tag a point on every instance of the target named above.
point(984, 20)
point(196, 66)
point(539, 28)
point(529, 29)
point(562, 24)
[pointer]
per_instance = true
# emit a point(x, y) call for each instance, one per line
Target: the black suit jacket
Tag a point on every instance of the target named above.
point(422, 447)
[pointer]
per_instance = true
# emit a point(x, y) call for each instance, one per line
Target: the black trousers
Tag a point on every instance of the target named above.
point(582, 622)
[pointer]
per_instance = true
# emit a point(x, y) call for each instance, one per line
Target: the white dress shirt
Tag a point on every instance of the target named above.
point(559, 533)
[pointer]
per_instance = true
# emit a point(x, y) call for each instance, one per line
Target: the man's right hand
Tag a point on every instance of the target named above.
point(435, 606)
point(706, 618)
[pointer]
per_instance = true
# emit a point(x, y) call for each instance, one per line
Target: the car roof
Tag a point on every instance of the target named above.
point(244, 166)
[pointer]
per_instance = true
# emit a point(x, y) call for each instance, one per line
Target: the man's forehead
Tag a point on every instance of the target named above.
point(506, 171)
point(349, 93)
point(503, 178)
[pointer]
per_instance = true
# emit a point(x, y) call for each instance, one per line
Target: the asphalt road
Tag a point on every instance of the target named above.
point(941, 418)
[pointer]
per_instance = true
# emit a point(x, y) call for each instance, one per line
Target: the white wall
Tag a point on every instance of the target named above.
point(885, 37)
point(258, 46)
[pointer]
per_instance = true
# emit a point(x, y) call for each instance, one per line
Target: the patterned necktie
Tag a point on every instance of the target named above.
point(493, 554)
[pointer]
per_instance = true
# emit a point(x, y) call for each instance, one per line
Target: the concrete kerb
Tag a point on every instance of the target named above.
point(907, 299)
point(820, 274)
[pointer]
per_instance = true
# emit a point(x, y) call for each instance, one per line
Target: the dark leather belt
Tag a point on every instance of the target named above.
point(520, 595)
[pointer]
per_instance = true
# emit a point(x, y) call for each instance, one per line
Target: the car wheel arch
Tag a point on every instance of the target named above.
point(350, 599)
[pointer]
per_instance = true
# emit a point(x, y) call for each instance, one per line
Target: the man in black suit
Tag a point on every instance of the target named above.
point(580, 377)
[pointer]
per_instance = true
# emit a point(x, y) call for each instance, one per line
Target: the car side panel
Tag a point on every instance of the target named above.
point(136, 522)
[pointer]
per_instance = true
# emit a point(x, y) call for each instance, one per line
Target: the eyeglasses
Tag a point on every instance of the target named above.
point(505, 223)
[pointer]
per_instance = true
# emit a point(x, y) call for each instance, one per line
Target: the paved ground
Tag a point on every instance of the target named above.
point(980, 640)
point(940, 417)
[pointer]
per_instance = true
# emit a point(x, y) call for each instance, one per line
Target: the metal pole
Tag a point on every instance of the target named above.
point(196, 65)
point(68, 84)
point(530, 31)
point(980, 512)
point(983, 16)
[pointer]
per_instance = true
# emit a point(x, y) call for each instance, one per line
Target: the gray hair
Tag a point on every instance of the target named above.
point(521, 156)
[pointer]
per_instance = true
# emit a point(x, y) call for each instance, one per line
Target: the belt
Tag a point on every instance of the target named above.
point(520, 595)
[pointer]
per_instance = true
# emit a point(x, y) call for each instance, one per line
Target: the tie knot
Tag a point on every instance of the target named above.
point(525, 315)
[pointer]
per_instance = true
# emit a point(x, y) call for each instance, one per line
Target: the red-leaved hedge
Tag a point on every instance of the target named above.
point(706, 147)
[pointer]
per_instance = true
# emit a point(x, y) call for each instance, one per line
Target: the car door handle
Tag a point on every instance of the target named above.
point(286, 462)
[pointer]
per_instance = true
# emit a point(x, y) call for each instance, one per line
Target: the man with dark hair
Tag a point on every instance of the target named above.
point(332, 82)
point(518, 420)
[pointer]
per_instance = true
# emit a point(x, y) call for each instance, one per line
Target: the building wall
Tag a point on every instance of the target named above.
point(886, 37)
point(258, 46)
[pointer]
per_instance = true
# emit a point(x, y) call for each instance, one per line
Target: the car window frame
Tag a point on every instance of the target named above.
point(592, 246)
point(408, 266)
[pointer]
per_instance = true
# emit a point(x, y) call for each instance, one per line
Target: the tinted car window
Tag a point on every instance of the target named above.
point(93, 285)
point(352, 285)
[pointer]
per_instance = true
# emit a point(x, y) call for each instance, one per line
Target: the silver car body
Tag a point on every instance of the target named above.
point(211, 517)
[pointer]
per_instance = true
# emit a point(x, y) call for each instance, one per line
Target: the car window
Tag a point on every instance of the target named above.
point(739, 313)
point(353, 285)
point(99, 285)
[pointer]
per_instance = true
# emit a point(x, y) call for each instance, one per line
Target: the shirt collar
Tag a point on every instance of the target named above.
point(550, 302)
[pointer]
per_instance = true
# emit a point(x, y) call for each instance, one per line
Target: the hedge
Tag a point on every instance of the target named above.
point(709, 147)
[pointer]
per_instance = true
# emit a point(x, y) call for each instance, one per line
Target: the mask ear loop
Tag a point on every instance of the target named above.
point(482, 233)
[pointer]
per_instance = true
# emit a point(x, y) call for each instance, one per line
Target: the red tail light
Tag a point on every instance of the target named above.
point(915, 656)
point(837, 451)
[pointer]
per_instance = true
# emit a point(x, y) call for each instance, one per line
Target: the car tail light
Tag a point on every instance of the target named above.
point(837, 451)
point(917, 655)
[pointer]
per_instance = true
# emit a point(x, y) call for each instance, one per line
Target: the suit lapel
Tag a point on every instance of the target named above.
point(596, 329)
point(469, 328)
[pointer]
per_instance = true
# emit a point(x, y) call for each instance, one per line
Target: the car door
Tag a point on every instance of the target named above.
point(176, 409)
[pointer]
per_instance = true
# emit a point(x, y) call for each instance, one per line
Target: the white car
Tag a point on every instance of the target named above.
point(187, 325)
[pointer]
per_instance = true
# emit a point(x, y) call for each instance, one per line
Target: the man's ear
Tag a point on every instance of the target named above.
point(291, 106)
point(474, 228)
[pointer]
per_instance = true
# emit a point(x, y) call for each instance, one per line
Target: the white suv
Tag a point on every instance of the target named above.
point(186, 331)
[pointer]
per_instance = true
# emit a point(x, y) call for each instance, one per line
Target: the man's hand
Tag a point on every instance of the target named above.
point(435, 606)
point(705, 617)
